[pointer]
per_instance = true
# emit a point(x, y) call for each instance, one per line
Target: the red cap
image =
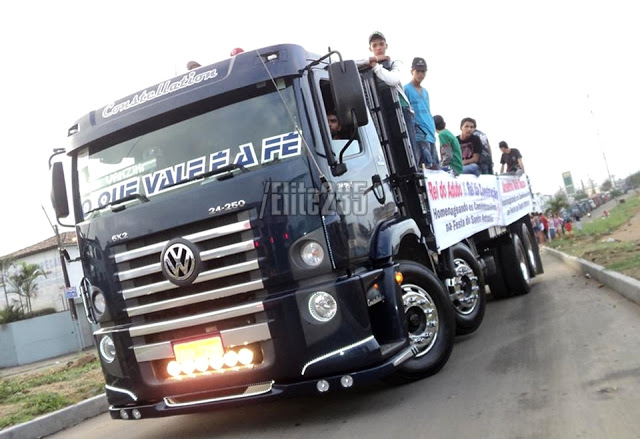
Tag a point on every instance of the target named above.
point(236, 51)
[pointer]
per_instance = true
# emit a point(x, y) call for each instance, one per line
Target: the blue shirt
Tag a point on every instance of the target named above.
point(425, 126)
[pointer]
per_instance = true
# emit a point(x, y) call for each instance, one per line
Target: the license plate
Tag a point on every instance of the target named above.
point(205, 347)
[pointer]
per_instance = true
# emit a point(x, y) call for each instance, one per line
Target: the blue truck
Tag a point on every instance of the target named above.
point(235, 250)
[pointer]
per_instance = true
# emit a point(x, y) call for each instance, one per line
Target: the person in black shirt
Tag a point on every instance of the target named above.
point(510, 157)
point(471, 147)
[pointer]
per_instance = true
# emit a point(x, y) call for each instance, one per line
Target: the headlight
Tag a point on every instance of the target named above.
point(107, 349)
point(322, 306)
point(99, 301)
point(312, 254)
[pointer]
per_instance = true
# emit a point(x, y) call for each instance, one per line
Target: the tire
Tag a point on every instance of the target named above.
point(530, 249)
point(427, 306)
point(515, 265)
point(497, 283)
point(468, 296)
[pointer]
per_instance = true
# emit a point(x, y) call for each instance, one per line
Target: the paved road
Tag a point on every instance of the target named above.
point(561, 362)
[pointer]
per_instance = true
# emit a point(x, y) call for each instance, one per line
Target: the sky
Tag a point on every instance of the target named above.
point(559, 80)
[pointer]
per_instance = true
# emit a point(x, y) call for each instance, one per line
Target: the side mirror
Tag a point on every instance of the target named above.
point(59, 191)
point(348, 95)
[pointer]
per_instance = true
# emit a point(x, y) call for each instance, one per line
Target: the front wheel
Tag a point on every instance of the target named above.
point(468, 296)
point(430, 323)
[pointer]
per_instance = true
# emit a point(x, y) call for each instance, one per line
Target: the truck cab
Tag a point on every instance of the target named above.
point(234, 252)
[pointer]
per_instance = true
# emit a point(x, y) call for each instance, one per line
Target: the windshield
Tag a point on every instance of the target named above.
point(251, 133)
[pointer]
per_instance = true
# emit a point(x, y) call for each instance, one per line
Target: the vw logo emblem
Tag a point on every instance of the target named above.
point(180, 262)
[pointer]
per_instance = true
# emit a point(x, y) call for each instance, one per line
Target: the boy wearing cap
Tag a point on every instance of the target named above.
point(425, 128)
point(450, 152)
point(389, 71)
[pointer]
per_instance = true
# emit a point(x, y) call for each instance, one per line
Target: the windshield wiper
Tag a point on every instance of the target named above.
point(131, 197)
point(228, 168)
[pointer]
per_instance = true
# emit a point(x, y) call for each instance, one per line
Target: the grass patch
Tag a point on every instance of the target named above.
point(594, 242)
point(27, 396)
point(618, 216)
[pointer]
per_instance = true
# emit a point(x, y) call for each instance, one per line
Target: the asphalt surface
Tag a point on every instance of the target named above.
point(560, 362)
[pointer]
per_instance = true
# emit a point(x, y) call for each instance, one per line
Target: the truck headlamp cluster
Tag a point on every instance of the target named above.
point(312, 254)
point(107, 349)
point(322, 306)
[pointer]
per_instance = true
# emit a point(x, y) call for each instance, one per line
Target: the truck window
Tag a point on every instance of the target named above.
point(254, 132)
point(339, 137)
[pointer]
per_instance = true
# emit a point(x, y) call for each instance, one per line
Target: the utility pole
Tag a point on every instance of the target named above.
point(595, 125)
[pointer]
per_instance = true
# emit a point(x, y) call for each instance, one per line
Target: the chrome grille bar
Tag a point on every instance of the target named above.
point(215, 253)
point(230, 338)
point(195, 298)
point(252, 390)
point(217, 273)
point(198, 319)
point(195, 237)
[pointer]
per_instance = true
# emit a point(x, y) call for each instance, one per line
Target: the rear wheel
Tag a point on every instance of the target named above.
point(430, 323)
point(515, 265)
point(469, 296)
point(497, 283)
point(530, 250)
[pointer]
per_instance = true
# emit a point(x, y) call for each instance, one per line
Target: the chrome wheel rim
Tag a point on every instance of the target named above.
point(465, 296)
point(422, 318)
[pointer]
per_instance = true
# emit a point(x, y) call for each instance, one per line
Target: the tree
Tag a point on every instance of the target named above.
point(634, 180)
point(606, 186)
point(23, 282)
point(558, 202)
point(5, 263)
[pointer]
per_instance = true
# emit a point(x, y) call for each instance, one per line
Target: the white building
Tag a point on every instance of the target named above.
point(51, 289)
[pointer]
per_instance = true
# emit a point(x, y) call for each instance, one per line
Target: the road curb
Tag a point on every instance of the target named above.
point(624, 285)
point(58, 420)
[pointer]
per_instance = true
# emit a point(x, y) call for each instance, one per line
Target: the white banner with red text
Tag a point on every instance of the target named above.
point(465, 205)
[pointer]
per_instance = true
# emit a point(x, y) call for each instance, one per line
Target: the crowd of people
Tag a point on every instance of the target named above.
point(467, 153)
point(549, 228)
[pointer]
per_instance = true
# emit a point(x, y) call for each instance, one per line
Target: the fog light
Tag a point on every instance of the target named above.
point(188, 366)
point(124, 414)
point(346, 381)
point(173, 368)
point(136, 414)
point(231, 358)
point(322, 306)
point(312, 254)
point(245, 356)
point(201, 364)
point(216, 362)
point(99, 301)
point(322, 386)
point(107, 349)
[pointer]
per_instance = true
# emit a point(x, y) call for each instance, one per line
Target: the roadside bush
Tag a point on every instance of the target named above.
point(15, 313)
point(43, 312)
point(11, 314)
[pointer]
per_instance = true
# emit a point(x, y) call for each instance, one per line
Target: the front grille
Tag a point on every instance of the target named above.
point(225, 298)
